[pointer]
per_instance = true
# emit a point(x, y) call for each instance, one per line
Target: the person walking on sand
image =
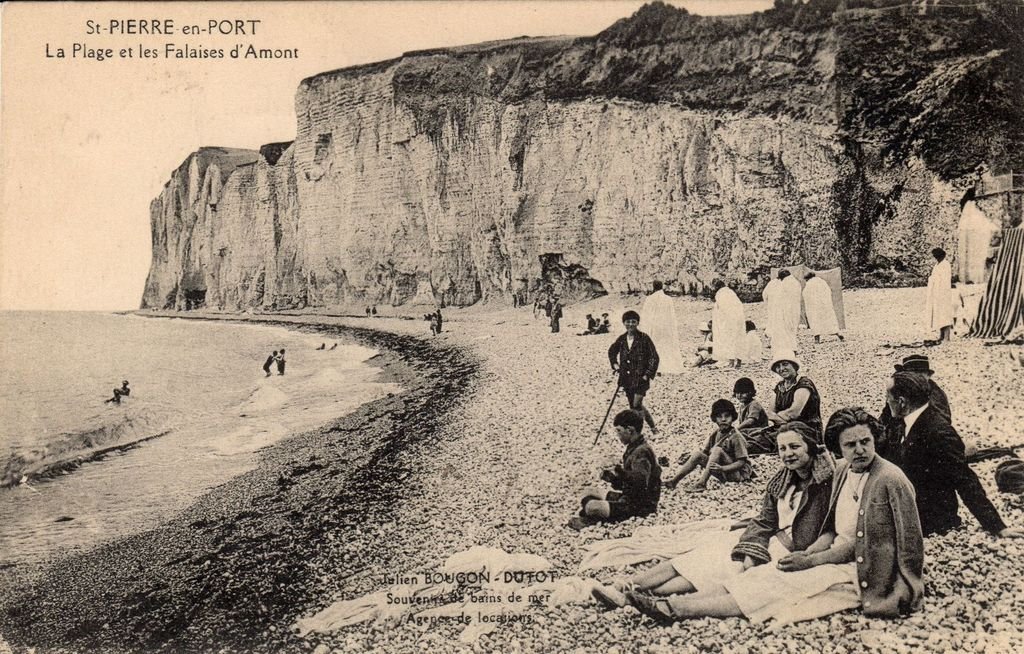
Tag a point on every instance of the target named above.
point(635, 359)
point(269, 362)
point(280, 362)
point(821, 315)
point(939, 299)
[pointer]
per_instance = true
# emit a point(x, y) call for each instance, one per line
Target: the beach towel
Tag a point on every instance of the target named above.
point(663, 542)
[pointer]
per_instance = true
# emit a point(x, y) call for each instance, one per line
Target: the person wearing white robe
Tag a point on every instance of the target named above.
point(753, 351)
point(939, 300)
point(789, 300)
point(821, 314)
point(659, 313)
point(728, 327)
point(772, 297)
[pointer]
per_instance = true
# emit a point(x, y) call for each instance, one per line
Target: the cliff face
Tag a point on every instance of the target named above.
point(669, 147)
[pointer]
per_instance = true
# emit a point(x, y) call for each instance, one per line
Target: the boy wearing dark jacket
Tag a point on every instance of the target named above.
point(636, 482)
point(635, 358)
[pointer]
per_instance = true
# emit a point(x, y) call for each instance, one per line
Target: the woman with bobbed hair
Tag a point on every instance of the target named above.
point(870, 552)
point(792, 511)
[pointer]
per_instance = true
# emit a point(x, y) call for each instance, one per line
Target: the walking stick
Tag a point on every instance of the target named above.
point(607, 413)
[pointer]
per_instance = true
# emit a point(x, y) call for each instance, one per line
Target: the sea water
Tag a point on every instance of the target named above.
point(199, 410)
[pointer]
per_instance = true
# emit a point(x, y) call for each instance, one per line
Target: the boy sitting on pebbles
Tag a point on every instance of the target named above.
point(636, 482)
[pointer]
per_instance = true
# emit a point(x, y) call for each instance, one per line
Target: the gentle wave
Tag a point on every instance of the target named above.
point(126, 427)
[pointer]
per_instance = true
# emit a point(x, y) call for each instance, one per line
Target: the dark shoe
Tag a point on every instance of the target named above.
point(654, 607)
point(609, 597)
point(578, 523)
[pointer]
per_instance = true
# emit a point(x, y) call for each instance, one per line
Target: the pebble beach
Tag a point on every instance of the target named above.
point(491, 443)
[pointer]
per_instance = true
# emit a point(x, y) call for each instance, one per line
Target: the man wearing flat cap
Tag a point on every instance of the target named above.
point(889, 445)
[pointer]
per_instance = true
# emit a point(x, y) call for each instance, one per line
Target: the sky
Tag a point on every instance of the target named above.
point(86, 144)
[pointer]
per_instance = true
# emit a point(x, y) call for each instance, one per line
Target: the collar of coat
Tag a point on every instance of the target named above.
point(821, 471)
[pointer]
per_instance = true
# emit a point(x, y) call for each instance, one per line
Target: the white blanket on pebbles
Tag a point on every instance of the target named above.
point(662, 542)
point(381, 607)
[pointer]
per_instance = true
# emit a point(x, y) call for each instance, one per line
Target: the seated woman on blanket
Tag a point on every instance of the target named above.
point(792, 512)
point(796, 398)
point(870, 553)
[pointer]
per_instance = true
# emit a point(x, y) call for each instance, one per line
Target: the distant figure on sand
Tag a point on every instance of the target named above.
point(728, 326)
point(591, 326)
point(334, 346)
point(605, 326)
point(939, 300)
point(280, 362)
point(636, 482)
point(784, 340)
point(703, 356)
point(821, 314)
point(373, 310)
point(323, 346)
point(772, 299)
point(124, 391)
point(753, 351)
point(659, 313)
point(269, 362)
point(634, 357)
point(556, 314)
point(367, 312)
point(437, 322)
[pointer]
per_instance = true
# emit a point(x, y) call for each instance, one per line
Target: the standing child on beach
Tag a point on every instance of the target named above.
point(725, 455)
point(635, 358)
point(269, 362)
point(280, 362)
point(752, 416)
point(636, 482)
point(752, 348)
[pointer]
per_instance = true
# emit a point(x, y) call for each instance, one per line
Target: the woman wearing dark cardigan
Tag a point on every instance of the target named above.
point(793, 509)
point(796, 398)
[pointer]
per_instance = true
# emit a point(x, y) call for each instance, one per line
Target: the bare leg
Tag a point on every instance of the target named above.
point(675, 586)
point(715, 603)
point(638, 406)
point(656, 576)
point(718, 456)
point(691, 464)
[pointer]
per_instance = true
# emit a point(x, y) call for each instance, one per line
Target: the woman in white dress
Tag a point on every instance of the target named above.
point(870, 553)
point(792, 512)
